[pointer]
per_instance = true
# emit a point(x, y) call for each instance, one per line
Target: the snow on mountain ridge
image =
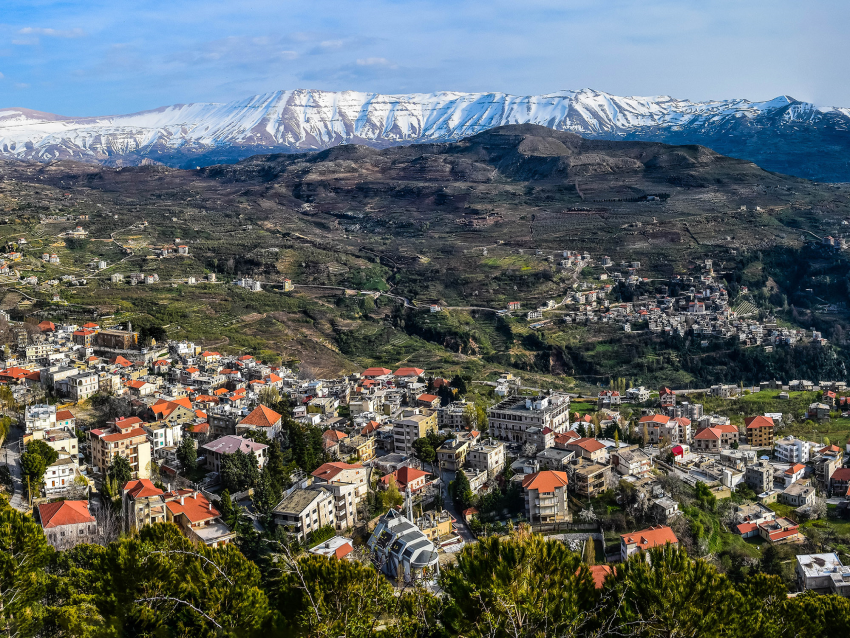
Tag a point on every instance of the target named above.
point(303, 119)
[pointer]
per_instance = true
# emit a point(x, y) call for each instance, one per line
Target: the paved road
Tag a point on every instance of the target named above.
point(11, 456)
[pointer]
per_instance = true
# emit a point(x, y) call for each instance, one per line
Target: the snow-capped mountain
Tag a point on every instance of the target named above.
point(782, 134)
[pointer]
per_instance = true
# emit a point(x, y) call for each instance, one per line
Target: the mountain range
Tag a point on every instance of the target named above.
point(783, 135)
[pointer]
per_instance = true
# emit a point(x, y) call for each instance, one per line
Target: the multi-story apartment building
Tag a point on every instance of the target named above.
point(413, 424)
point(345, 474)
point(451, 455)
point(451, 417)
point(793, 450)
point(546, 497)
point(162, 435)
point(142, 503)
point(39, 417)
point(84, 385)
point(759, 477)
point(487, 456)
point(125, 438)
point(305, 510)
point(760, 431)
point(510, 419)
point(589, 478)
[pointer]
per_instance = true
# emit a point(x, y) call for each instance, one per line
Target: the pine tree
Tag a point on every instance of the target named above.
point(187, 454)
point(225, 505)
point(462, 491)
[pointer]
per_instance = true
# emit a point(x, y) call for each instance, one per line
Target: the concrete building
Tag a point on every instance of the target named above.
point(822, 574)
point(488, 456)
point(345, 474)
point(82, 386)
point(125, 438)
point(546, 497)
point(646, 539)
point(510, 419)
point(759, 477)
point(451, 455)
point(216, 450)
point(414, 424)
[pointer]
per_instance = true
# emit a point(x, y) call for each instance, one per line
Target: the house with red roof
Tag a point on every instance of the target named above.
point(142, 503)
point(546, 497)
point(640, 541)
point(588, 448)
point(67, 523)
point(337, 547)
point(405, 477)
point(261, 418)
point(760, 431)
point(338, 473)
point(47, 326)
point(408, 374)
point(428, 401)
point(197, 518)
point(138, 388)
point(173, 412)
point(374, 373)
point(331, 440)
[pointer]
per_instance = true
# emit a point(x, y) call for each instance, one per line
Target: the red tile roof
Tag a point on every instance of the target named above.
point(427, 398)
point(142, 488)
point(588, 444)
point(120, 436)
point(599, 572)
point(708, 434)
point(329, 471)
point(746, 528)
point(64, 415)
point(655, 418)
point(652, 537)
point(409, 372)
point(795, 468)
point(64, 513)
point(546, 481)
point(196, 508)
point(200, 428)
point(841, 474)
point(754, 422)
point(261, 417)
point(334, 436)
point(403, 476)
point(376, 372)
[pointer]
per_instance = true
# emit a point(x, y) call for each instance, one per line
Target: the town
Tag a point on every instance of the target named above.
point(401, 469)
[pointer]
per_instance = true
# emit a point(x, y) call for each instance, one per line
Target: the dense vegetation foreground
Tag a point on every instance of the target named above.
point(158, 584)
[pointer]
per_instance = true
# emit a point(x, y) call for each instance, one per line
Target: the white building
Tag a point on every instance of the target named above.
point(401, 549)
point(793, 450)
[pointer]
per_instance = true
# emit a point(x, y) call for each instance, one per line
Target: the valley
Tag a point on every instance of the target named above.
point(370, 239)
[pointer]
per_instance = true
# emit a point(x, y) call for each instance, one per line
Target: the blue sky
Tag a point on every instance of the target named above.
point(91, 57)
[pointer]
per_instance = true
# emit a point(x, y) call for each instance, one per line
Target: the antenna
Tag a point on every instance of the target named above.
point(409, 499)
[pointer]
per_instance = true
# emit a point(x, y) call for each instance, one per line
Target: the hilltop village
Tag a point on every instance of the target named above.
point(402, 468)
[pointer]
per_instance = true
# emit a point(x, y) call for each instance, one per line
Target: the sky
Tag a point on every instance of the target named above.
point(97, 57)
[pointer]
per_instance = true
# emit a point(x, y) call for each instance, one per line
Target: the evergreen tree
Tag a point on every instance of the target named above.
point(225, 505)
point(120, 471)
point(24, 555)
point(487, 590)
point(266, 492)
point(462, 491)
point(187, 454)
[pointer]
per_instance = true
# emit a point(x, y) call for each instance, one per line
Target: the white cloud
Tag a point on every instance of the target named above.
point(53, 33)
point(376, 62)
